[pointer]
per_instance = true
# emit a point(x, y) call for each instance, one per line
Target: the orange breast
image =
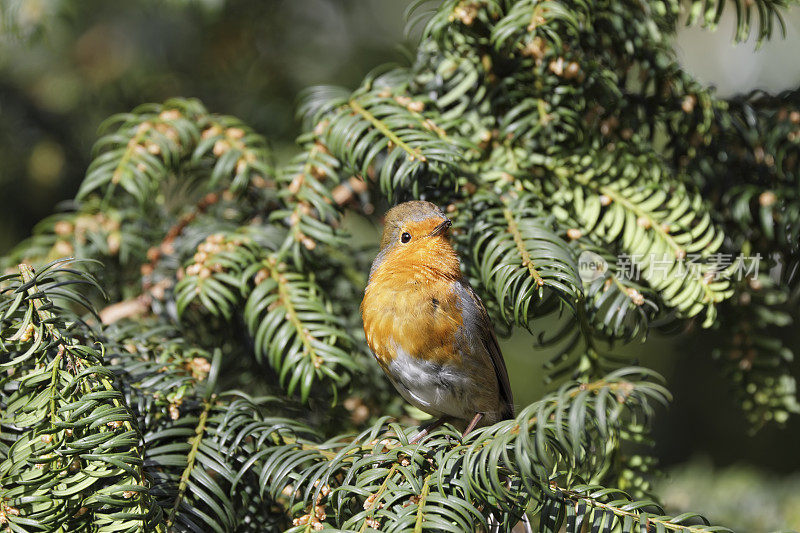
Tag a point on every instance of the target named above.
point(421, 316)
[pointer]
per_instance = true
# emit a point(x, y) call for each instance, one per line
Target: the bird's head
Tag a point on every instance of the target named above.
point(415, 235)
point(411, 223)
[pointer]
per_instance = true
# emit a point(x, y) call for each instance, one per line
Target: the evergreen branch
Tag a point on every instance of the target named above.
point(193, 463)
point(154, 254)
point(528, 19)
point(151, 141)
point(289, 306)
point(499, 467)
point(237, 150)
point(285, 300)
point(213, 275)
point(196, 440)
point(540, 126)
point(421, 504)
point(646, 219)
point(374, 500)
point(657, 232)
point(582, 503)
point(768, 11)
point(373, 135)
point(155, 141)
point(518, 256)
point(286, 314)
point(72, 431)
point(513, 228)
point(134, 145)
point(311, 210)
point(755, 357)
point(381, 127)
point(91, 233)
point(617, 307)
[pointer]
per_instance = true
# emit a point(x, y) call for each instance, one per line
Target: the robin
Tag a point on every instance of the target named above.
point(428, 329)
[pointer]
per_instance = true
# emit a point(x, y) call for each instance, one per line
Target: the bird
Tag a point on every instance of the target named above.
point(427, 327)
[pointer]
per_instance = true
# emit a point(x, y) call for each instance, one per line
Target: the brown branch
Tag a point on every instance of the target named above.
point(134, 307)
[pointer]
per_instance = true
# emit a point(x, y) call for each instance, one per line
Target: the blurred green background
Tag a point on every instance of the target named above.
point(66, 65)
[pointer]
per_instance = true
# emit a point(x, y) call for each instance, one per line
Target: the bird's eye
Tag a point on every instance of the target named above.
point(405, 237)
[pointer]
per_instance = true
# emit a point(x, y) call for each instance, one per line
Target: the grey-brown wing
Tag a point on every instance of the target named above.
point(475, 316)
point(500, 368)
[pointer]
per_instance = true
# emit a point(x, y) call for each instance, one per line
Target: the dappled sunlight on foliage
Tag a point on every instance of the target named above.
point(181, 344)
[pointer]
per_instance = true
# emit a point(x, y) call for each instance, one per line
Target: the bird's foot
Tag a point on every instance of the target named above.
point(474, 422)
point(427, 429)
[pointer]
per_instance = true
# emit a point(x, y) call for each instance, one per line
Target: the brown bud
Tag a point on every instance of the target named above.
point(63, 227)
point(114, 241)
point(635, 296)
point(535, 49)
point(296, 183)
point(767, 198)
point(234, 133)
point(158, 292)
point(308, 242)
point(220, 147)
point(466, 13)
point(688, 103)
point(341, 194)
point(63, 248)
point(557, 66)
point(213, 131)
point(758, 154)
point(170, 114)
point(318, 172)
point(745, 298)
point(572, 70)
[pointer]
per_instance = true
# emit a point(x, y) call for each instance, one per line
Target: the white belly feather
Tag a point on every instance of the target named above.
point(434, 388)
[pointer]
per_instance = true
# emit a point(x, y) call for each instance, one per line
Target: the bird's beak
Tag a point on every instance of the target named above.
point(441, 229)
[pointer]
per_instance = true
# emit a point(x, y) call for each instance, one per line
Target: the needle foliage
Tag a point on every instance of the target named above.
point(181, 348)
